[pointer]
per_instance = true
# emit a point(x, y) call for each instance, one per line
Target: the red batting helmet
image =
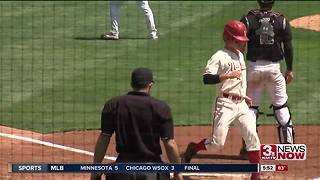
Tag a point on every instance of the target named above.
point(235, 30)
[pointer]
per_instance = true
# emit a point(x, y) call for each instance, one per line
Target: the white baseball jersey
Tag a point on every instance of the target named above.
point(224, 61)
point(227, 111)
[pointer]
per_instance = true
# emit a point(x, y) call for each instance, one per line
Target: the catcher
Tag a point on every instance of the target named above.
point(270, 41)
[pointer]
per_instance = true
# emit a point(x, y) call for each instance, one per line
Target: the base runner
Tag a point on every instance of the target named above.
point(227, 69)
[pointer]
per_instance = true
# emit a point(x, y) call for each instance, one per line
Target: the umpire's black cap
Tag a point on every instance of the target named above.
point(141, 77)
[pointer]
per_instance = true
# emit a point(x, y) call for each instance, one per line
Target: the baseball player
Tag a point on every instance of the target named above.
point(115, 13)
point(139, 121)
point(227, 69)
point(270, 40)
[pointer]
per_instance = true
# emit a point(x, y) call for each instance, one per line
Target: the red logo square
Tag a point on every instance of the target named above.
point(268, 152)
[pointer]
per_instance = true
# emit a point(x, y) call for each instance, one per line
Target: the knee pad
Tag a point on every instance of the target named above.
point(144, 6)
point(285, 128)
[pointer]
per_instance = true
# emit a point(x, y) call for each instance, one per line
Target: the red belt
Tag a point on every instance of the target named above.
point(232, 97)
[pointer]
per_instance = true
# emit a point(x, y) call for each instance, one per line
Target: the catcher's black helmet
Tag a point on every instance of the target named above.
point(266, 4)
point(266, 1)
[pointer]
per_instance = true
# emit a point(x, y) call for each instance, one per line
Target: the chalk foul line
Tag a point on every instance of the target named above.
point(49, 144)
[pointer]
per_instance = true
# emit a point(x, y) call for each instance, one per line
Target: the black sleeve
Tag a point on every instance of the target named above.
point(288, 54)
point(286, 29)
point(287, 44)
point(108, 119)
point(211, 79)
point(166, 124)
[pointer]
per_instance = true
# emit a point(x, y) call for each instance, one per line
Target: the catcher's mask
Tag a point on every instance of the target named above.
point(235, 30)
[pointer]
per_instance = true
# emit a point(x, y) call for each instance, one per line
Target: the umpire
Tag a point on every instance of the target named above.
point(139, 121)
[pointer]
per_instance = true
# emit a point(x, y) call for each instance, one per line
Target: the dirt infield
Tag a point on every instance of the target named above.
point(307, 22)
point(14, 150)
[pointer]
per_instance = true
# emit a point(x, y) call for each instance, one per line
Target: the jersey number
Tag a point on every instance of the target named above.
point(265, 32)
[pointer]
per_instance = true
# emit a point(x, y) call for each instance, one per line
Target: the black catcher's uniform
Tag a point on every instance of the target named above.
point(270, 38)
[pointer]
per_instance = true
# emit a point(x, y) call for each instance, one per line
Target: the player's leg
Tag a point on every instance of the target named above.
point(247, 124)
point(255, 88)
point(144, 5)
point(114, 16)
point(278, 94)
point(223, 115)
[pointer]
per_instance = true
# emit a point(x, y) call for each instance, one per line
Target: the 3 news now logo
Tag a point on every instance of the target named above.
point(283, 152)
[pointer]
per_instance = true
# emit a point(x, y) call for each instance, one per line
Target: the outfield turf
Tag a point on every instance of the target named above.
point(56, 74)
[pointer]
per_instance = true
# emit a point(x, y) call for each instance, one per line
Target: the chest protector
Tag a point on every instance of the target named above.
point(266, 31)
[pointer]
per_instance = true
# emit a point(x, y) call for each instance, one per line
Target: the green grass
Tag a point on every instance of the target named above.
point(56, 74)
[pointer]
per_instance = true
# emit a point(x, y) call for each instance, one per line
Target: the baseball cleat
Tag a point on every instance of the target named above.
point(153, 36)
point(110, 36)
point(189, 153)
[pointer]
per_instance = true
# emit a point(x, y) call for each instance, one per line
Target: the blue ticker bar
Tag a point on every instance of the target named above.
point(125, 168)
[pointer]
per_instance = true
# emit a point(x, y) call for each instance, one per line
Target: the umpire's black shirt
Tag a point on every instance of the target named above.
point(139, 121)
